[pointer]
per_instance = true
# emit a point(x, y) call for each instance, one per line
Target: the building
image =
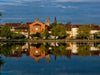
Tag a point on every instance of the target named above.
point(48, 21)
point(24, 29)
point(14, 25)
point(37, 53)
point(94, 29)
point(36, 27)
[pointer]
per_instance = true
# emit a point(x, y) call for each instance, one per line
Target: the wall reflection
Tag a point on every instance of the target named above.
point(44, 50)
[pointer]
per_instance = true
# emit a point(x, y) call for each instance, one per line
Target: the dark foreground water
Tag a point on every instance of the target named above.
point(50, 58)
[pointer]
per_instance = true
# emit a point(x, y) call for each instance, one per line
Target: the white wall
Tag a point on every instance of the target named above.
point(94, 31)
point(74, 32)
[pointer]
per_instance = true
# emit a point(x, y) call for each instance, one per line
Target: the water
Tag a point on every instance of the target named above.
point(50, 58)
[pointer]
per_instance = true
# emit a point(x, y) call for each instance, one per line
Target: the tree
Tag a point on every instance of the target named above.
point(44, 34)
point(61, 24)
point(0, 14)
point(96, 35)
point(5, 31)
point(35, 35)
point(83, 32)
point(68, 23)
point(53, 24)
point(59, 30)
point(83, 50)
point(17, 35)
point(1, 62)
point(59, 50)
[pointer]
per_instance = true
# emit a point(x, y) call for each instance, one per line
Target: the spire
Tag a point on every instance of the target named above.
point(55, 21)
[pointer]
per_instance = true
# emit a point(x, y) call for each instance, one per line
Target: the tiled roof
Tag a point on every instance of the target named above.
point(2, 25)
point(68, 27)
point(23, 27)
point(13, 24)
point(29, 23)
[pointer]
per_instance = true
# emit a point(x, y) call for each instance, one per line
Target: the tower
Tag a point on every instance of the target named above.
point(48, 58)
point(55, 21)
point(48, 21)
point(36, 19)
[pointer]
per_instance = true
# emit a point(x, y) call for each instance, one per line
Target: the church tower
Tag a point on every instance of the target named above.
point(48, 21)
point(55, 21)
point(36, 19)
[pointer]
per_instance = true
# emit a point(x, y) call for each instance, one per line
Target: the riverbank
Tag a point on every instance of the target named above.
point(64, 40)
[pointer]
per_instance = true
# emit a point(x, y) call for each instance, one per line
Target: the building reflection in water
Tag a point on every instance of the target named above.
point(41, 50)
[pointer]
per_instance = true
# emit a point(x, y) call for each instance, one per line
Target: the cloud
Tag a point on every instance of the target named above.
point(15, 2)
point(42, 5)
point(22, 2)
point(77, 1)
point(2, 10)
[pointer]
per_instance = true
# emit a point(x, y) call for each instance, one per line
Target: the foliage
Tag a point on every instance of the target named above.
point(96, 35)
point(0, 14)
point(59, 50)
point(61, 24)
point(83, 32)
point(5, 32)
point(17, 36)
point(1, 62)
point(6, 49)
point(83, 50)
point(35, 35)
point(68, 23)
point(59, 30)
point(44, 34)
point(53, 24)
point(44, 47)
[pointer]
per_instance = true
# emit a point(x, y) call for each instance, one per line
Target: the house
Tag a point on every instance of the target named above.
point(24, 29)
point(37, 53)
point(69, 31)
point(13, 25)
point(94, 29)
point(74, 30)
point(36, 27)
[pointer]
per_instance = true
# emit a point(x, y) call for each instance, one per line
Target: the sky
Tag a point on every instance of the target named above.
point(76, 11)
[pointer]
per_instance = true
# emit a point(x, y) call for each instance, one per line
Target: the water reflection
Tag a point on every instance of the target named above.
point(41, 50)
point(1, 62)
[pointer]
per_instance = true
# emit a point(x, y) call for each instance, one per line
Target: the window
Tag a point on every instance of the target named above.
point(32, 29)
point(36, 28)
point(36, 51)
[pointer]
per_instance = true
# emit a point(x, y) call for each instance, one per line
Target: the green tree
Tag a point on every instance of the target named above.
point(0, 14)
point(5, 31)
point(83, 32)
point(59, 30)
point(59, 50)
point(96, 35)
point(68, 23)
point(53, 24)
point(1, 62)
point(83, 50)
point(35, 35)
point(44, 34)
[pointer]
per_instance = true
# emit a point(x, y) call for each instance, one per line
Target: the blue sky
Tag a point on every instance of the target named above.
point(76, 11)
